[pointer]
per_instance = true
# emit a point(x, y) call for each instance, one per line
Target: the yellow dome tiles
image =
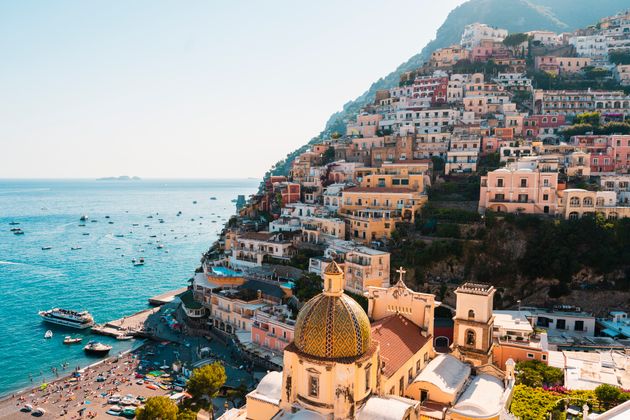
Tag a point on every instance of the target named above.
point(332, 327)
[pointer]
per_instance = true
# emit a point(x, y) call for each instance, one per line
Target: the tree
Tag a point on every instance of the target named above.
point(619, 57)
point(607, 394)
point(591, 118)
point(187, 414)
point(205, 382)
point(158, 408)
point(514, 40)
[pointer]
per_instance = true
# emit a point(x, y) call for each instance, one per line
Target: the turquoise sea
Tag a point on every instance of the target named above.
point(100, 276)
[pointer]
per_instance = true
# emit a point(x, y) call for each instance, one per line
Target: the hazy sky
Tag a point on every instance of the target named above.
point(203, 89)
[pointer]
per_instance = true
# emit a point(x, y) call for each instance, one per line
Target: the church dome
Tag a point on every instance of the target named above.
point(332, 325)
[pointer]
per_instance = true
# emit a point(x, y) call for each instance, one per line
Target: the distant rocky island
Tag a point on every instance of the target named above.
point(120, 178)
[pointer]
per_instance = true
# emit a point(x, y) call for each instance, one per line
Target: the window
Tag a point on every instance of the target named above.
point(500, 182)
point(579, 325)
point(410, 375)
point(530, 355)
point(561, 324)
point(522, 198)
point(545, 197)
point(471, 314)
point(470, 338)
point(313, 386)
point(523, 182)
point(544, 357)
point(574, 202)
point(418, 366)
point(401, 386)
point(368, 371)
point(424, 395)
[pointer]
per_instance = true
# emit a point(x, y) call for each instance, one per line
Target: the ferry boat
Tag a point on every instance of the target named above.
point(97, 349)
point(68, 318)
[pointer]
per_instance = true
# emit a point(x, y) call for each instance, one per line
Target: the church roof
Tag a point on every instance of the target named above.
point(482, 397)
point(269, 389)
point(399, 340)
point(446, 372)
point(386, 408)
point(332, 327)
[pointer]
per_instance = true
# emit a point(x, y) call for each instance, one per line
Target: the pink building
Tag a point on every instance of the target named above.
point(366, 125)
point(273, 327)
point(519, 188)
point(608, 153)
point(542, 125)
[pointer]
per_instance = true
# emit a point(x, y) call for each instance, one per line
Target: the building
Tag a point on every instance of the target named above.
point(620, 184)
point(273, 327)
point(474, 323)
point(447, 57)
point(591, 46)
point(561, 65)
point(573, 102)
point(576, 203)
point(343, 364)
point(475, 33)
point(251, 248)
point(463, 153)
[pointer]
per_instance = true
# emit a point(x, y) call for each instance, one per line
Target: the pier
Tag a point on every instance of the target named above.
point(165, 298)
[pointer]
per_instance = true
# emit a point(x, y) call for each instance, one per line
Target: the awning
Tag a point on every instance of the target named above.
point(610, 333)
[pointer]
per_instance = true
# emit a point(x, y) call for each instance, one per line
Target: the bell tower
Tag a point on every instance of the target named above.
point(333, 280)
point(474, 319)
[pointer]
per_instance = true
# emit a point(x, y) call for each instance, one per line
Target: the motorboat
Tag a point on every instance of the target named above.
point(14, 223)
point(160, 246)
point(46, 248)
point(194, 202)
point(68, 318)
point(139, 262)
point(48, 334)
point(18, 231)
point(75, 248)
point(97, 349)
point(114, 410)
point(84, 218)
point(70, 340)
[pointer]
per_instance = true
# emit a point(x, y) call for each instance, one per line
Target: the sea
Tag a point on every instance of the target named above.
point(123, 222)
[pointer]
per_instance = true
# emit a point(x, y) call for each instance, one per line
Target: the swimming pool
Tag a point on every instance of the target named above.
point(225, 272)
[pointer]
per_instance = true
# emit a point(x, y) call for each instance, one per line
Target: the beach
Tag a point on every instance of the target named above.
point(84, 393)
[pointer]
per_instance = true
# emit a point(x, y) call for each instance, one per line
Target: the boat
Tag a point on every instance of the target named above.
point(114, 410)
point(14, 223)
point(86, 233)
point(96, 348)
point(107, 217)
point(46, 248)
point(139, 262)
point(75, 248)
point(124, 337)
point(118, 235)
point(129, 412)
point(160, 246)
point(70, 340)
point(194, 202)
point(27, 408)
point(213, 198)
point(38, 412)
point(84, 218)
point(18, 232)
point(110, 222)
point(48, 334)
point(68, 318)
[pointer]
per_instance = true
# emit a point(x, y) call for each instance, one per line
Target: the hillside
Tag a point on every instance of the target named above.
point(514, 15)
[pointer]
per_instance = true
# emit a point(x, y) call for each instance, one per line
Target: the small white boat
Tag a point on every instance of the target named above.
point(48, 334)
point(38, 412)
point(27, 408)
point(124, 337)
point(160, 246)
point(84, 218)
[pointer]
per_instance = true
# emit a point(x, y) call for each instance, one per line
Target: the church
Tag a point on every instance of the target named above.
point(345, 363)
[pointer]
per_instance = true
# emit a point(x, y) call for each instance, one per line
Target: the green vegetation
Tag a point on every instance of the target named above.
point(158, 408)
point(610, 396)
point(591, 118)
point(455, 190)
point(205, 382)
point(536, 374)
point(307, 286)
point(488, 68)
point(610, 128)
point(328, 156)
point(619, 57)
point(515, 39)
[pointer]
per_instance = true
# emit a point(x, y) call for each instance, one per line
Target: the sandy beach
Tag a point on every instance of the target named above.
point(85, 393)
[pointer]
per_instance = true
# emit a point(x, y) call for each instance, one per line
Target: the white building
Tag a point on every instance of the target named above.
point(477, 32)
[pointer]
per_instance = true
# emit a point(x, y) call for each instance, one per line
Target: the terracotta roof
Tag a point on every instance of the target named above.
point(380, 190)
point(400, 339)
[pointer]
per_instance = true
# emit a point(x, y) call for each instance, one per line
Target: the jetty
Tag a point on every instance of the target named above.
point(167, 297)
point(128, 325)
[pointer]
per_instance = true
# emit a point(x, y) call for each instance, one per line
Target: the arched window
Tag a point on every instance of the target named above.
point(470, 338)
point(600, 202)
point(574, 202)
point(574, 215)
point(471, 314)
point(587, 202)
point(612, 216)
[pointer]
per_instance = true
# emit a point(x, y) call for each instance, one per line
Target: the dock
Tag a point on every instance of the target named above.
point(167, 297)
point(128, 325)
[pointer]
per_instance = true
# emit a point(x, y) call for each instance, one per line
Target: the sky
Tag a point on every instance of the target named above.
point(188, 89)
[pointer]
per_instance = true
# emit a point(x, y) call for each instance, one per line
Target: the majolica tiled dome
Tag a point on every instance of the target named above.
point(332, 326)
